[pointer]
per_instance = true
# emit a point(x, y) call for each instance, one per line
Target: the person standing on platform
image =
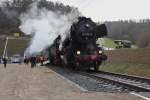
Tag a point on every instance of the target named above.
point(4, 62)
point(42, 60)
point(33, 62)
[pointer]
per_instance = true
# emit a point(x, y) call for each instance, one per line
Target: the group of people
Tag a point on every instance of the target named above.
point(34, 60)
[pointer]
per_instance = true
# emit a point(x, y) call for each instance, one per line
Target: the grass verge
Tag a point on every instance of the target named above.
point(142, 70)
point(132, 62)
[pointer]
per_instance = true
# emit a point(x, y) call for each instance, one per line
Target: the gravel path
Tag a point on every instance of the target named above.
point(20, 82)
point(87, 83)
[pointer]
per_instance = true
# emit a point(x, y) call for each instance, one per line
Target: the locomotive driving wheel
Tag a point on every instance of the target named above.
point(96, 67)
point(75, 66)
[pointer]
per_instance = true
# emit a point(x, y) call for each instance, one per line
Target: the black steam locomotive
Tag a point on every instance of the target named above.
point(79, 50)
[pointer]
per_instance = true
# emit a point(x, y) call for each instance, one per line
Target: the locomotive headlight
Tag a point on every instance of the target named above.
point(78, 52)
point(100, 52)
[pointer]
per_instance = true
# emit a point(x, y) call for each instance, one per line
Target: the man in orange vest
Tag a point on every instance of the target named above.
point(42, 60)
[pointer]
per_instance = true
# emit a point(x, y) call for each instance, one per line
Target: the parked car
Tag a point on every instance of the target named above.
point(16, 58)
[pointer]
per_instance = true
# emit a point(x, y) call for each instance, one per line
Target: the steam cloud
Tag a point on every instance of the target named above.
point(44, 26)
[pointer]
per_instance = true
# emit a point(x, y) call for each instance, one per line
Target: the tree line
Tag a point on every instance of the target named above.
point(138, 32)
point(11, 10)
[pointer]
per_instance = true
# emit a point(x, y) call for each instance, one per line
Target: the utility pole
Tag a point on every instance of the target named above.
point(5, 47)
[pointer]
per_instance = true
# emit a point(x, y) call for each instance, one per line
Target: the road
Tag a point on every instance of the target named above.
point(20, 82)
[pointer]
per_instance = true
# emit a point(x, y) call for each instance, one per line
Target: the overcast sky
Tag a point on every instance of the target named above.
point(102, 10)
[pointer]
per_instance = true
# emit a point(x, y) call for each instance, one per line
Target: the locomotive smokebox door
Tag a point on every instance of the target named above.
point(101, 30)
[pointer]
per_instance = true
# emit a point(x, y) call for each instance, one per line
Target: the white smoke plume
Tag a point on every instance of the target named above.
point(44, 26)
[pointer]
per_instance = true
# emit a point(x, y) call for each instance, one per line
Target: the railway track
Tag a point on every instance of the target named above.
point(133, 83)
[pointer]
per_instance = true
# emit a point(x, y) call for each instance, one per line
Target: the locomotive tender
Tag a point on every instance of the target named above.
point(79, 50)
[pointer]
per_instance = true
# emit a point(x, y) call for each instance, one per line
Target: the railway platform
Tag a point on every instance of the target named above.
point(20, 82)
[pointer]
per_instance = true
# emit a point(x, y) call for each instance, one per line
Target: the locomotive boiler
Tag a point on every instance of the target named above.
point(79, 50)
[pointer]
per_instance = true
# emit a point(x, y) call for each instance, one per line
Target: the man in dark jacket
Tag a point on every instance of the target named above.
point(4, 62)
point(33, 62)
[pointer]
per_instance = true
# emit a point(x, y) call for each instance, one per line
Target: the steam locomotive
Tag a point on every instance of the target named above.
point(79, 50)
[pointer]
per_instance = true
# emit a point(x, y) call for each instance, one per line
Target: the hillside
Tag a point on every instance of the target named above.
point(14, 46)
